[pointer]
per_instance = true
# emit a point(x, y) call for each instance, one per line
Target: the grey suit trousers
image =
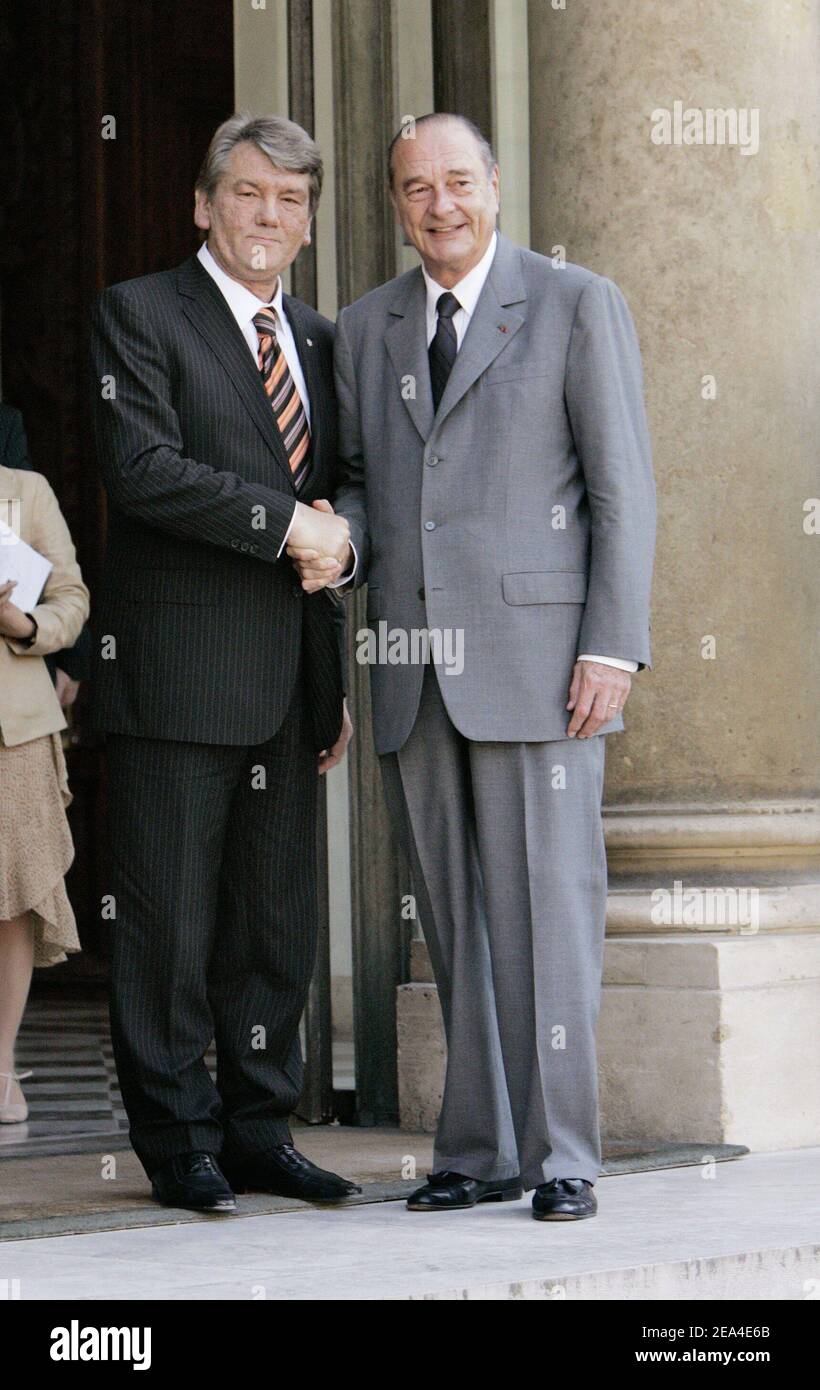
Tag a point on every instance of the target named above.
point(506, 848)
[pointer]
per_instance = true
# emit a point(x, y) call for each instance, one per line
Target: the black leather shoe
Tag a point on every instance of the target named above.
point(453, 1192)
point(194, 1181)
point(287, 1173)
point(564, 1199)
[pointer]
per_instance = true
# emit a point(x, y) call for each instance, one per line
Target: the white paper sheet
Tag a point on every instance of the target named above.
point(20, 561)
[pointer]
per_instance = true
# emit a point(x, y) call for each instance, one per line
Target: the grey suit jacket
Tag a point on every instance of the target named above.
point(522, 512)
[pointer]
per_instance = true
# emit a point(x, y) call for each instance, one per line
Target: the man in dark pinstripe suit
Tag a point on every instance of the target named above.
point(217, 678)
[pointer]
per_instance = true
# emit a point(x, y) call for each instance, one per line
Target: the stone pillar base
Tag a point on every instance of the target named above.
point(421, 1056)
point(711, 1038)
point(703, 1036)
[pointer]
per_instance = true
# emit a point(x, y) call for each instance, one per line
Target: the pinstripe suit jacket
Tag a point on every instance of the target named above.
point(208, 625)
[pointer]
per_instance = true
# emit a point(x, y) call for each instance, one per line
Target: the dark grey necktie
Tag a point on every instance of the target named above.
point(443, 349)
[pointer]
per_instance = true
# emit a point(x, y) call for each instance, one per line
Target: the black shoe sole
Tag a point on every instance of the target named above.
point(563, 1215)
point(243, 1187)
point(514, 1194)
point(220, 1208)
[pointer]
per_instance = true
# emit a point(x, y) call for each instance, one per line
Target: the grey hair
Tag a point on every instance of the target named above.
point(485, 149)
point(285, 143)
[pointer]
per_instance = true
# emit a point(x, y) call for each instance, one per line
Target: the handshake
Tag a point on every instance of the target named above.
point(319, 545)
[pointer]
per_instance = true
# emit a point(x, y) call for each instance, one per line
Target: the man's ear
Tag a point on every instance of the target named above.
point(306, 239)
point(202, 216)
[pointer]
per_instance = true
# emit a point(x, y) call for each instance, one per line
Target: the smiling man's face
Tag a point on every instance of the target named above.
point(257, 220)
point(444, 198)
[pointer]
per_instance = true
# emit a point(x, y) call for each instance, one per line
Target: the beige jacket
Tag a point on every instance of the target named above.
point(29, 706)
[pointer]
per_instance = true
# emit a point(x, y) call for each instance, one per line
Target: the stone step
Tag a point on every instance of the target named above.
point(766, 1275)
point(749, 1232)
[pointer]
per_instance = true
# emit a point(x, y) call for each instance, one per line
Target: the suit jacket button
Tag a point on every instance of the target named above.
point(429, 526)
point(297, 591)
point(421, 593)
point(433, 460)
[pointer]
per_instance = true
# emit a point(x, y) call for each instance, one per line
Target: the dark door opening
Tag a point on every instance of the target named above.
point(107, 108)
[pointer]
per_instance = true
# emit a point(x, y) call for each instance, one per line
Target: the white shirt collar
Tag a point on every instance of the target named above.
point(468, 289)
point(242, 303)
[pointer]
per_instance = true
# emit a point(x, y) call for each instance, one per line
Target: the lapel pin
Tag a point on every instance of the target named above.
point(503, 327)
point(309, 342)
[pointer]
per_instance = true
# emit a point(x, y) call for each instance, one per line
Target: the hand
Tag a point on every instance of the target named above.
point(13, 621)
point(67, 689)
point(318, 528)
point(597, 694)
point(334, 755)
point(317, 567)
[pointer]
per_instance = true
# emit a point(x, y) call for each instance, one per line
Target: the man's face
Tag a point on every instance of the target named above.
point(444, 198)
point(258, 218)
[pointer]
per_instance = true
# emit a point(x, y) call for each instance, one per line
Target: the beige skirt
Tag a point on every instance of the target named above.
point(36, 849)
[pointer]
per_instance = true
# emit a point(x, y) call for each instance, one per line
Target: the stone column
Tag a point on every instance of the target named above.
point(709, 1025)
point(364, 111)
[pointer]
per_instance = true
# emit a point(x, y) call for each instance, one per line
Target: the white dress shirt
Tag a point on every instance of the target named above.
point(466, 292)
point(243, 304)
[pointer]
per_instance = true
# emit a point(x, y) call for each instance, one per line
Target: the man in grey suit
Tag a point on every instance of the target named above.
point(499, 489)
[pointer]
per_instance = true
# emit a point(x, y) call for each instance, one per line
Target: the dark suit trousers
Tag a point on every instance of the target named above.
point(213, 873)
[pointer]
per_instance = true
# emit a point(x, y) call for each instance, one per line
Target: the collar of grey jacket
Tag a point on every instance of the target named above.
point(492, 326)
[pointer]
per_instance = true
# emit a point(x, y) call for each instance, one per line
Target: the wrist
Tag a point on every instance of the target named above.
point(297, 525)
point(28, 637)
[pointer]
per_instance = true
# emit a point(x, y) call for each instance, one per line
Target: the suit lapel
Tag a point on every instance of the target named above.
point(205, 307)
point(493, 325)
point(406, 343)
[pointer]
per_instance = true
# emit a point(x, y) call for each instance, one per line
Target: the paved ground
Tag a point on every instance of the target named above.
point(102, 1187)
point(743, 1229)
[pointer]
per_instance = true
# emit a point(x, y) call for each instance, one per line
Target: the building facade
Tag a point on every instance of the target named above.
point(673, 149)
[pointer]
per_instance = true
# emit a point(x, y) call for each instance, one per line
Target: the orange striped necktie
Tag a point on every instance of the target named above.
point(281, 391)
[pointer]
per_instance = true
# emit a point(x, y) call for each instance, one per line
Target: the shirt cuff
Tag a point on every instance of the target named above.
point(346, 578)
point(611, 661)
point(287, 533)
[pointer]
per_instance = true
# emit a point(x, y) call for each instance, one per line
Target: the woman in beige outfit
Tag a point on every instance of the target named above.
point(37, 924)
